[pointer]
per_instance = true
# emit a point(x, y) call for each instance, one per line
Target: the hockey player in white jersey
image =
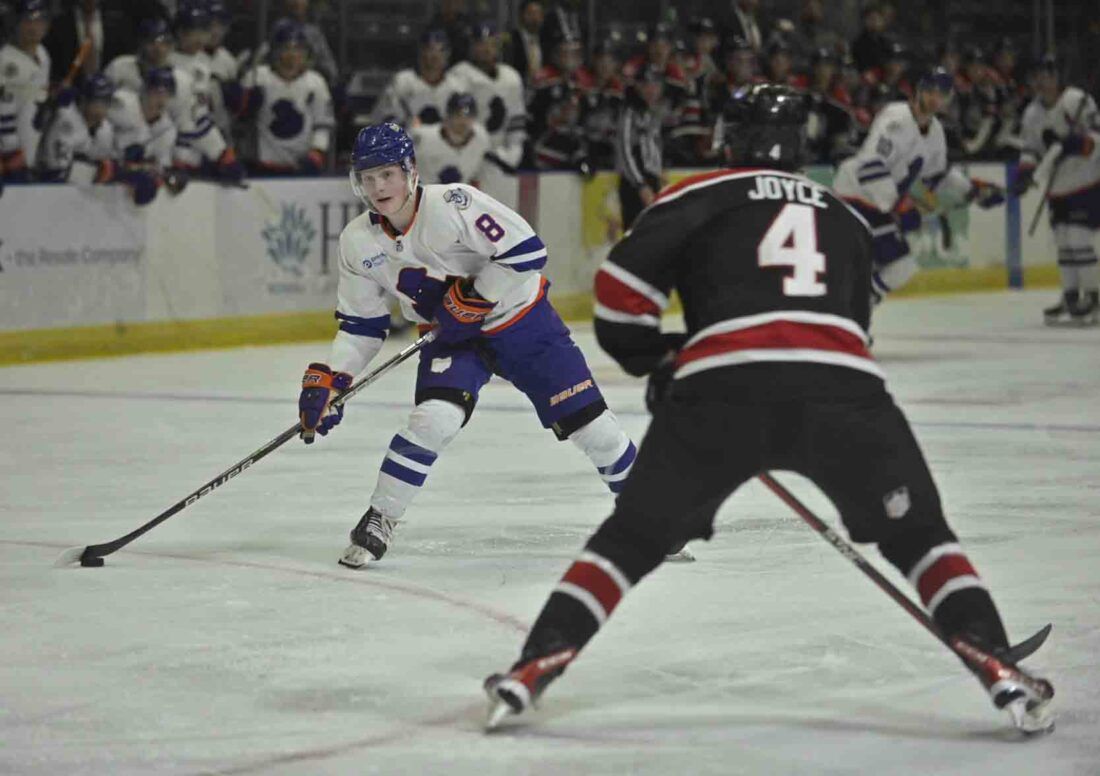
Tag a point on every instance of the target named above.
point(223, 65)
point(199, 143)
point(1064, 123)
point(291, 105)
point(454, 151)
point(145, 136)
point(421, 94)
point(192, 28)
point(459, 259)
point(497, 89)
point(24, 78)
point(906, 144)
point(79, 144)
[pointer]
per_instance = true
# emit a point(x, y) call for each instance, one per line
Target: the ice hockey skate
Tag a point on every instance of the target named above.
point(680, 554)
point(517, 691)
point(369, 540)
point(1026, 698)
point(1087, 312)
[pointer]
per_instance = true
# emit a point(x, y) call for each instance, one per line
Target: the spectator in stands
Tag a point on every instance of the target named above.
point(980, 102)
point(555, 83)
point(740, 69)
point(601, 102)
point(291, 105)
point(851, 81)
point(779, 64)
point(497, 91)
point(691, 141)
point(455, 22)
point(831, 127)
point(870, 48)
point(78, 21)
point(677, 109)
point(562, 144)
point(888, 83)
point(525, 44)
point(639, 147)
point(454, 150)
point(810, 33)
point(420, 94)
point(742, 21)
point(562, 18)
point(322, 59)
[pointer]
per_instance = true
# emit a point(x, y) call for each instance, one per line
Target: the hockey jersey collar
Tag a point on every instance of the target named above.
point(388, 228)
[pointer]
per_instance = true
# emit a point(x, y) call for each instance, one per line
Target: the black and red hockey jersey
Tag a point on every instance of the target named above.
point(769, 266)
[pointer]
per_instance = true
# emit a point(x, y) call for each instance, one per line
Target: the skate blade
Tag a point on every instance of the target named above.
point(1034, 720)
point(498, 712)
point(1070, 323)
point(683, 556)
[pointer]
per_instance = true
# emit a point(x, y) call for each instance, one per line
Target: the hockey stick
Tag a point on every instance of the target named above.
point(989, 669)
point(1054, 172)
point(92, 555)
point(49, 108)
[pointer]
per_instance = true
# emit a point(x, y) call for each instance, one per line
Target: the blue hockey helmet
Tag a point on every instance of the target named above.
point(461, 102)
point(98, 87)
point(436, 36)
point(482, 29)
point(192, 15)
point(218, 11)
point(288, 32)
point(379, 145)
point(32, 9)
point(160, 78)
point(936, 79)
point(154, 28)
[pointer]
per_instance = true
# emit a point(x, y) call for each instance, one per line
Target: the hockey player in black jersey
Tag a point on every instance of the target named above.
point(773, 373)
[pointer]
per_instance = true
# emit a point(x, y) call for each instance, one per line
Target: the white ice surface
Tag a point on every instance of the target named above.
point(227, 640)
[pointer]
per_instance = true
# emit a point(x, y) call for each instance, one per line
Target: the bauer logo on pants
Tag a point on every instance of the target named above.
point(897, 503)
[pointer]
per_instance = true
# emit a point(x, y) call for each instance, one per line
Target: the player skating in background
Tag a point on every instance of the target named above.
point(291, 104)
point(454, 150)
point(905, 145)
point(774, 373)
point(454, 256)
point(1064, 121)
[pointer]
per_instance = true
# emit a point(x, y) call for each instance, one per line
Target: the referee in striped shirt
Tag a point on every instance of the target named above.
point(638, 145)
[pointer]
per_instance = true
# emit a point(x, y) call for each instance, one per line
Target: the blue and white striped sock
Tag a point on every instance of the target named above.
point(403, 472)
point(615, 474)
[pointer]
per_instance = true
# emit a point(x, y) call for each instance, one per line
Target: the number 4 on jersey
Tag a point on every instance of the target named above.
point(791, 241)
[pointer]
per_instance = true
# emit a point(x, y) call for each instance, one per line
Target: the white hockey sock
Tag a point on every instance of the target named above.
point(894, 275)
point(1076, 257)
point(413, 450)
point(608, 448)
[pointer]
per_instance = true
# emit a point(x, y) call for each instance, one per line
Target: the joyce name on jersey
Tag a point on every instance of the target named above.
point(458, 231)
point(294, 116)
point(895, 154)
point(438, 161)
point(409, 97)
point(500, 106)
point(23, 83)
point(197, 137)
point(135, 137)
point(1075, 171)
point(69, 139)
point(770, 265)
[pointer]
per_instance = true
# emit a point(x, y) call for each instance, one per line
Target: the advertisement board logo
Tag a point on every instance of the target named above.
point(289, 240)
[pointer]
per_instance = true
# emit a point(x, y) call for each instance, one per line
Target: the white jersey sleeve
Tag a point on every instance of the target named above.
point(1031, 134)
point(361, 307)
point(496, 231)
point(937, 174)
point(23, 87)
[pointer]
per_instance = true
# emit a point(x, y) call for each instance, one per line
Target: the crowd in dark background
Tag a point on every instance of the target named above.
point(578, 81)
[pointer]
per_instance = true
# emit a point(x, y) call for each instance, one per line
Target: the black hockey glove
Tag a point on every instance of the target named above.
point(660, 379)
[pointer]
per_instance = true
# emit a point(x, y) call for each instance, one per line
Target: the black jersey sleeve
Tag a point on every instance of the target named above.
point(634, 283)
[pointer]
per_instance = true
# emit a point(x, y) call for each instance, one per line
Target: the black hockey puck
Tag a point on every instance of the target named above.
point(92, 562)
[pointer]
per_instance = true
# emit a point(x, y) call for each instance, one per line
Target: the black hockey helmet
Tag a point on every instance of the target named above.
point(764, 125)
point(1047, 63)
point(461, 103)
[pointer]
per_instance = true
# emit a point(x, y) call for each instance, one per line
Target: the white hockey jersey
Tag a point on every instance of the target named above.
point(156, 140)
point(24, 81)
point(440, 162)
point(894, 155)
point(224, 68)
point(1074, 171)
point(457, 231)
point(500, 106)
point(70, 149)
point(196, 136)
point(294, 116)
point(410, 97)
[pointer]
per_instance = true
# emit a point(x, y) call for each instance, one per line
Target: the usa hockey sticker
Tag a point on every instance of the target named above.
point(897, 503)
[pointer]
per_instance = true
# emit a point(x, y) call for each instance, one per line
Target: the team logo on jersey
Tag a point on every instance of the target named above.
point(885, 146)
point(897, 503)
point(11, 70)
point(288, 240)
point(377, 260)
point(458, 198)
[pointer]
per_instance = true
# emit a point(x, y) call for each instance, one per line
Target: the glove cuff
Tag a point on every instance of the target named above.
point(321, 376)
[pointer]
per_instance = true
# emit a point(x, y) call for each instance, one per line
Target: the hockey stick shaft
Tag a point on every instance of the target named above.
point(100, 550)
point(1054, 173)
point(976, 659)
